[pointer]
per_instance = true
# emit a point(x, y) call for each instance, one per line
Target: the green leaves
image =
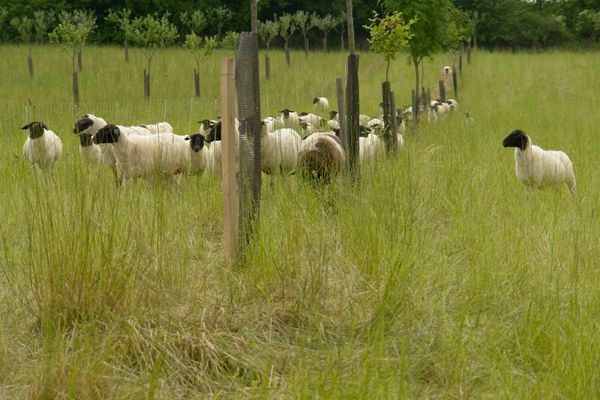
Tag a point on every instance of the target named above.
point(122, 19)
point(287, 26)
point(195, 22)
point(268, 31)
point(202, 50)
point(24, 26)
point(389, 34)
point(151, 32)
point(73, 29)
point(231, 40)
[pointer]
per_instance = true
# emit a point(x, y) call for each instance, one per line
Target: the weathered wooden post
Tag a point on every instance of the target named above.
point(342, 116)
point(267, 67)
point(230, 162)
point(387, 116)
point(415, 109)
point(30, 65)
point(352, 117)
point(454, 83)
point(460, 63)
point(442, 90)
point(197, 82)
point(469, 49)
point(394, 140)
point(75, 89)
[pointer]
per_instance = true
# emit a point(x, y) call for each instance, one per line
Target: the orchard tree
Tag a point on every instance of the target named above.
point(194, 22)
point(83, 20)
point(428, 30)
point(42, 21)
point(268, 31)
point(304, 22)
point(325, 25)
point(222, 15)
point(122, 19)
point(287, 27)
point(201, 52)
point(341, 25)
point(3, 17)
point(71, 35)
point(231, 40)
point(24, 27)
point(151, 33)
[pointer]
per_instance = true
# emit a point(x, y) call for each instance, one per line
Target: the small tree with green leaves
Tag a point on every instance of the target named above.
point(42, 21)
point(341, 25)
point(84, 20)
point(325, 25)
point(268, 31)
point(287, 27)
point(388, 35)
point(221, 15)
point(122, 19)
point(194, 22)
point(231, 40)
point(304, 22)
point(24, 27)
point(152, 33)
point(71, 36)
point(201, 51)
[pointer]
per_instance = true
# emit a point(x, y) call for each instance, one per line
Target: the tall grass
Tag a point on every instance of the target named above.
point(438, 277)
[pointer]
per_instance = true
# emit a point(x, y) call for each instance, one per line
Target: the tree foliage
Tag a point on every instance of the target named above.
point(201, 49)
point(24, 26)
point(268, 31)
point(151, 32)
point(195, 21)
point(122, 19)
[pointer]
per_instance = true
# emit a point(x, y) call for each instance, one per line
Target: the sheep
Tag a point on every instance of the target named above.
point(42, 147)
point(159, 127)
point(537, 167)
point(289, 118)
point(269, 123)
point(447, 78)
point(141, 155)
point(376, 124)
point(306, 128)
point(215, 156)
point(198, 154)
point(89, 151)
point(89, 124)
point(368, 147)
point(321, 104)
point(311, 118)
point(279, 151)
point(321, 156)
point(363, 119)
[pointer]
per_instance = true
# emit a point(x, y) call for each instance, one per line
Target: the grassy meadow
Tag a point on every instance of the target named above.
point(439, 277)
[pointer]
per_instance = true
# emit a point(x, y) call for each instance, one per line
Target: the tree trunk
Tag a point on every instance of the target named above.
point(342, 40)
point(387, 116)
point(416, 64)
point(30, 63)
point(287, 53)
point(305, 45)
point(75, 89)
point(267, 67)
point(79, 61)
point(352, 117)
point(126, 51)
point(325, 42)
point(197, 82)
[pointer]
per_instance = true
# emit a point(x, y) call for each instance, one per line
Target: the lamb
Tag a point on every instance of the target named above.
point(537, 167)
point(279, 151)
point(42, 147)
point(198, 154)
point(141, 155)
point(321, 156)
point(321, 104)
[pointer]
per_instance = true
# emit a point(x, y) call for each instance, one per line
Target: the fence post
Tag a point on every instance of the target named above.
point(230, 164)
point(454, 83)
point(30, 65)
point(75, 89)
point(353, 113)
point(267, 66)
point(387, 117)
point(197, 82)
point(342, 115)
point(394, 121)
point(442, 91)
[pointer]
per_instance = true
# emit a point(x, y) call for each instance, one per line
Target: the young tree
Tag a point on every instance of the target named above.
point(342, 28)
point(231, 40)
point(71, 35)
point(80, 18)
point(122, 19)
point(304, 22)
point(201, 52)
point(221, 15)
point(42, 21)
point(268, 31)
point(287, 27)
point(24, 26)
point(428, 31)
point(151, 33)
point(325, 25)
point(195, 22)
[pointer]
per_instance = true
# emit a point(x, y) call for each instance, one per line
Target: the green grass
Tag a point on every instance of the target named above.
point(439, 277)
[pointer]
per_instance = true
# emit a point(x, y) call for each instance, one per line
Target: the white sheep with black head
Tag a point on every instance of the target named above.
point(536, 167)
point(42, 148)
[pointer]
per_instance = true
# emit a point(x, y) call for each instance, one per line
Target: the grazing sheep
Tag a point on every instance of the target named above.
point(363, 119)
point(334, 121)
point(279, 151)
point(42, 147)
point(306, 128)
point(289, 118)
point(447, 78)
point(537, 167)
point(368, 147)
point(141, 156)
point(311, 118)
point(215, 156)
point(159, 127)
point(321, 156)
point(321, 104)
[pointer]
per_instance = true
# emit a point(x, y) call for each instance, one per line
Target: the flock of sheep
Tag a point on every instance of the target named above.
point(291, 141)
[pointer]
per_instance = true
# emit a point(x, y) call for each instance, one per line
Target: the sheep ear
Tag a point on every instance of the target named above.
point(44, 126)
point(186, 138)
point(26, 126)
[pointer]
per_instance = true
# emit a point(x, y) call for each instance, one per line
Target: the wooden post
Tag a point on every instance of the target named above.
point(306, 46)
point(454, 83)
point(469, 49)
point(197, 82)
point(146, 84)
point(353, 113)
point(342, 116)
point(287, 54)
point(267, 66)
point(30, 65)
point(350, 21)
point(387, 116)
point(75, 89)
point(230, 162)
point(428, 99)
point(423, 98)
point(126, 51)
point(460, 64)
point(442, 90)
point(394, 122)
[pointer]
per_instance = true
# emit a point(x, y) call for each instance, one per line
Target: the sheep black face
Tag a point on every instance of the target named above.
point(517, 138)
point(206, 124)
point(82, 124)
point(85, 139)
point(315, 100)
point(36, 129)
point(215, 133)
point(363, 131)
point(196, 142)
point(108, 134)
point(333, 114)
point(286, 112)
